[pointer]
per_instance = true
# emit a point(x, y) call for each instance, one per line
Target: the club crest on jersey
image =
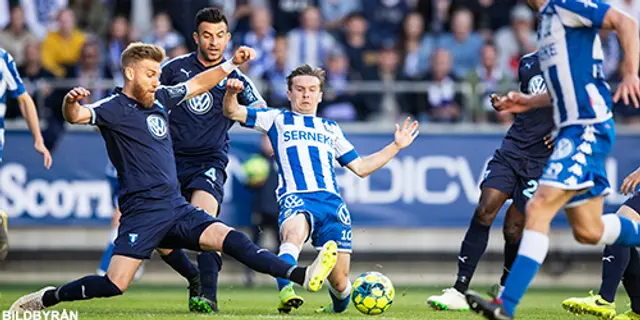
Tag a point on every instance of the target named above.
point(537, 85)
point(157, 126)
point(344, 215)
point(200, 104)
point(564, 148)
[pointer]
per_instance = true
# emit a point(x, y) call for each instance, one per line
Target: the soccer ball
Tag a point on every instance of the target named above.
point(372, 293)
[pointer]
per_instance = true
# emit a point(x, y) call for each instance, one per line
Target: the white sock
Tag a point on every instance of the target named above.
point(534, 245)
point(290, 249)
point(344, 294)
point(612, 228)
point(113, 234)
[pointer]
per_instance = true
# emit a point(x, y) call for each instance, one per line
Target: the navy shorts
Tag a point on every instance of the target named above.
point(206, 176)
point(515, 176)
point(633, 203)
point(150, 223)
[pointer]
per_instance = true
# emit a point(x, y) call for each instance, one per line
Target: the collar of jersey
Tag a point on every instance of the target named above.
point(303, 115)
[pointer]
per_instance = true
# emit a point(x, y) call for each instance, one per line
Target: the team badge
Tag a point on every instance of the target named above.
point(157, 126)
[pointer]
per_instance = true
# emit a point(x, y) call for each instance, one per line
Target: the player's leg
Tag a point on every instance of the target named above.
point(4, 235)
point(512, 229)
point(340, 289)
point(631, 282)
point(294, 231)
point(472, 248)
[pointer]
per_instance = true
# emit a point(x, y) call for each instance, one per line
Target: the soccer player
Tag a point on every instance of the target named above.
point(512, 173)
point(305, 147)
point(133, 123)
point(618, 263)
point(11, 83)
point(574, 179)
point(200, 140)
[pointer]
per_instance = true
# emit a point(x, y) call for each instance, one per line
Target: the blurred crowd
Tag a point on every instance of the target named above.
point(458, 51)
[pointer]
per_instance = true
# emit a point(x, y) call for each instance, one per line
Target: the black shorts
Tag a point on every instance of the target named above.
point(206, 176)
point(150, 223)
point(633, 203)
point(515, 176)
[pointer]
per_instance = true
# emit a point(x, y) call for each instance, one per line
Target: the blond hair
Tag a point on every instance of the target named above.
point(138, 51)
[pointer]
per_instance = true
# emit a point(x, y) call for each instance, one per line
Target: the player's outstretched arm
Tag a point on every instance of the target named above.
point(629, 37)
point(518, 102)
point(404, 136)
point(30, 114)
point(72, 111)
point(204, 81)
point(230, 106)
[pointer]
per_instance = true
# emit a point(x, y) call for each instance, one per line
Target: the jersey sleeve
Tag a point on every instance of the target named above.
point(581, 13)
point(105, 114)
point(261, 119)
point(345, 151)
point(171, 96)
point(11, 76)
point(249, 96)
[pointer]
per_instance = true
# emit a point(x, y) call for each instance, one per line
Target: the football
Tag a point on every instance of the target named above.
point(372, 293)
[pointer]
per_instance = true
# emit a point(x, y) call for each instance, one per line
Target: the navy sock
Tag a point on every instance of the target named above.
point(85, 288)
point(210, 264)
point(179, 261)
point(510, 254)
point(615, 259)
point(473, 247)
point(631, 280)
point(238, 246)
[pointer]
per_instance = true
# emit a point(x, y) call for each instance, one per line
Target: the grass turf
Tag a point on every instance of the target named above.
point(162, 302)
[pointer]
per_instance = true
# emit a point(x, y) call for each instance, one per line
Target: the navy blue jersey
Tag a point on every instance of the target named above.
point(526, 135)
point(199, 127)
point(138, 141)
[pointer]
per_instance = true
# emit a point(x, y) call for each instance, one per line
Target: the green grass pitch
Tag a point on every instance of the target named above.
point(161, 302)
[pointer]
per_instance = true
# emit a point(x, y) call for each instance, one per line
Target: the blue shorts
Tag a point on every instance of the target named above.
point(326, 214)
point(513, 175)
point(577, 162)
point(150, 223)
point(633, 203)
point(206, 176)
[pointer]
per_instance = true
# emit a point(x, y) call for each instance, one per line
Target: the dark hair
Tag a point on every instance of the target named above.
point(306, 70)
point(490, 43)
point(211, 15)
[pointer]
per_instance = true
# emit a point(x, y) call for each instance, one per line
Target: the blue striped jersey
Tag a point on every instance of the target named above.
point(305, 148)
point(10, 83)
point(571, 57)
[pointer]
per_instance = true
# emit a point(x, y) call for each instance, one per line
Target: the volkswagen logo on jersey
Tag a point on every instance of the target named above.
point(564, 147)
point(344, 215)
point(201, 104)
point(292, 201)
point(537, 85)
point(157, 126)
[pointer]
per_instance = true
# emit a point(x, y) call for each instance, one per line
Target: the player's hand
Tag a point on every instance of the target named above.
point(404, 136)
point(630, 183)
point(550, 139)
point(513, 102)
point(234, 86)
point(76, 94)
point(629, 90)
point(40, 147)
point(243, 54)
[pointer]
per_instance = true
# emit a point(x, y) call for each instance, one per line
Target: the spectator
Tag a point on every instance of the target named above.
point(441, 102)
point(334, 12)
point(612, 53)
point(276, 76)
point(489, 15)
point(484, 80)
point(119, 38)
point(31, 70)
point(91, 16)
point(41, 15)
point(337, 104)
point(436, 13)
point(387, 105)
point(15, 36)
point(286, 13)
point(385, 18)
point(413, 52)
point(310, 43)
point(516, 40)
point(261, 38)
point(163, 34)
point(62, 48)
point(359, 48)
point(177, 51)
point(462, 42)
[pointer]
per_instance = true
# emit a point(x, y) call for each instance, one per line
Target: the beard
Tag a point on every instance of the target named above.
point(209, 58)
point(143, 96)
